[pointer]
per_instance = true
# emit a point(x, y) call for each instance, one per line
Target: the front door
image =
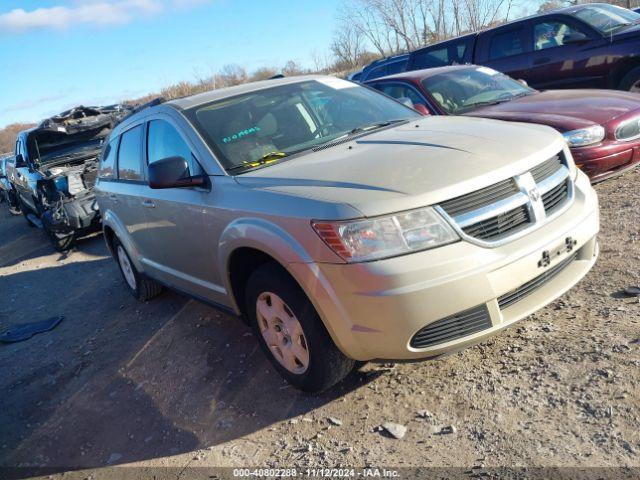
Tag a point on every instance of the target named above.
point(184, 245)
point(563, 56)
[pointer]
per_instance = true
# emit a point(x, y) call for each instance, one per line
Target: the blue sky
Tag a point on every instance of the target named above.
point(60, 53)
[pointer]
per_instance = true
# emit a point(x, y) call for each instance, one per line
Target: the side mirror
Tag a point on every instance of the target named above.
point(20, 163)
point(173, 172)
point(522, 82)
point(421, 109)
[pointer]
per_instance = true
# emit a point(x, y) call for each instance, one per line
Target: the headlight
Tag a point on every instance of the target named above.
point(584, 136)
point(76, 185)
point(629, 130)
point(388, 236)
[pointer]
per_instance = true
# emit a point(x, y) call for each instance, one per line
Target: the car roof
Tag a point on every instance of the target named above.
point(417, 75)
point(564, 10)
point(381, 61)
point(213, 95)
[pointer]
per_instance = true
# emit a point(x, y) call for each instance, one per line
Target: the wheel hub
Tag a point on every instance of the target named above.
point(282, 332)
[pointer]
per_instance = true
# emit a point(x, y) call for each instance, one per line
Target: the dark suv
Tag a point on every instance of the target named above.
point(585, 46)
point(55, 169)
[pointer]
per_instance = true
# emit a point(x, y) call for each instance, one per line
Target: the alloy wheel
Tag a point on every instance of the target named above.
point(127, 269)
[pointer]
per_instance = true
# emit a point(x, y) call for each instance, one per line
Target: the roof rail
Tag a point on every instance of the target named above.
point(149, 104)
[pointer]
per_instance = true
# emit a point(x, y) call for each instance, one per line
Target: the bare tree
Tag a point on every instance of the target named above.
point(347, 45)
point(231, 75)
point(393, 26)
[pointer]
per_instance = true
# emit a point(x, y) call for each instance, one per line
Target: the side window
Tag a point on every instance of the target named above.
point(396, 67)
point(108, 162)
point(401, 92)
point(164, 141)
point(377, 72)
point(506, 44)
point(432, 58)
point(129, 158)
point(554, 34)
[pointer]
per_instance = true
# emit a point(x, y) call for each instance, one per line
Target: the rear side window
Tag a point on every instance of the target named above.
point(164, 141)
point(506, 44)
point(401, 92)
point(108, 163)
point(396, 67)
point(377, 72)
point(432, 58)
point(129, 158)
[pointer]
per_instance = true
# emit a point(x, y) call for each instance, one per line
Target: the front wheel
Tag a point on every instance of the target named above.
point(631, 81)
point(62, 242)
point(291, 333)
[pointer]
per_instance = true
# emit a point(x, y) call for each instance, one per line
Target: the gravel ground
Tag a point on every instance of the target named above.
point(175, 383)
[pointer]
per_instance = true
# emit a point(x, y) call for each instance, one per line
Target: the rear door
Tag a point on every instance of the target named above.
point(181, 222)
point(506, 49)
point(125, 191)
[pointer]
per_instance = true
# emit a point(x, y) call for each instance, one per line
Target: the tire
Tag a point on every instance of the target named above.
point(62, 243)
point(14, 204)
point(25, 210)
point(631, 81)
point(306, 356)
point(141, 287)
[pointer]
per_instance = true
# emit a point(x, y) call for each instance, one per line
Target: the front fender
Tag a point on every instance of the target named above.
point(261, 235)
point(110, 220)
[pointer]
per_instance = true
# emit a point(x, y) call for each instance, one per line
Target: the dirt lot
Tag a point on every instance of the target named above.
point(175, 383)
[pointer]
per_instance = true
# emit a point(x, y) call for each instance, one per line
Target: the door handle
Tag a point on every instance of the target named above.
point(113, 196)
point(148, 204)
point(541, 61)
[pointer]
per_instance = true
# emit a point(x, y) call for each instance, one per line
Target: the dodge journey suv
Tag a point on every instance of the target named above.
point(341, 224)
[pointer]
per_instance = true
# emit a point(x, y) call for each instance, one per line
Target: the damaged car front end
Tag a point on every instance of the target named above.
point(57, 164)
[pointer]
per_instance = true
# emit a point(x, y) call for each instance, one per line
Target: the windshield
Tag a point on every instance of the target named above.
point(264, 126)
point(463, 90)
point(607, 18)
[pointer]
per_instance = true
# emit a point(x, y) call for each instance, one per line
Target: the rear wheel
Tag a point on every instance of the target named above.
point(291, 333)
point(631, 81)
point(141, 287)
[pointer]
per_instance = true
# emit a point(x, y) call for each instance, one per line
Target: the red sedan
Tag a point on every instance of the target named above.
point(602, 127)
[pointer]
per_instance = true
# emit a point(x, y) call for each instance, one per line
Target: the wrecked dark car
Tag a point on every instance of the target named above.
point(55, 171)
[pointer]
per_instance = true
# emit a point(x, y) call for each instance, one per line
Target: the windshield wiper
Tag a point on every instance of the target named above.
point(266, 159)
point(373, 126)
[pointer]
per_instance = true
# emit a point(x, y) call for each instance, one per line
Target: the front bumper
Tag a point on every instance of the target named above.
point(608, 159)
point(73, 215)
point(373, 310)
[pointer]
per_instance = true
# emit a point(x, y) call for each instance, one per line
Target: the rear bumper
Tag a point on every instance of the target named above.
point(373, 310)
point(607, 160)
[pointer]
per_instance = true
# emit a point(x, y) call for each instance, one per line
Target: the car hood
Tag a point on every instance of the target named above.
point(564, 110)
point(416, 164)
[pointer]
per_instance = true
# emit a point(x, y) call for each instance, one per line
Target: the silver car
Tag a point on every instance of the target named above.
point(341, 224)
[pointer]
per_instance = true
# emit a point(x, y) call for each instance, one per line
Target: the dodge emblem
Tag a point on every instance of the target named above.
point(534, 194)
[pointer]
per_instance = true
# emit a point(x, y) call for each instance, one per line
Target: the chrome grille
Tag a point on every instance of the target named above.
point(546, 169)
point(499, 225)
point(480, 198)
point(555, 197)
point(501, 211)
point(531, 286)
point(453, 327)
